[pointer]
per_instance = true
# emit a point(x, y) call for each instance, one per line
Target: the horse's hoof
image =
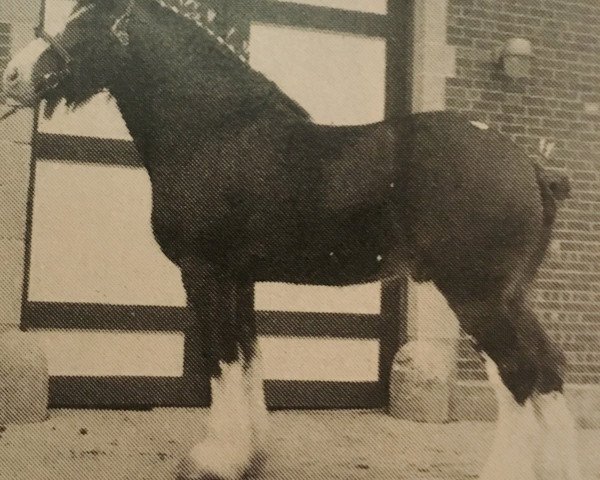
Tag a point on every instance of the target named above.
point(191, 470)
point(219, 461)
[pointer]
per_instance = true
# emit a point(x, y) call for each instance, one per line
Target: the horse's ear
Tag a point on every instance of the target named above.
point(119, 28)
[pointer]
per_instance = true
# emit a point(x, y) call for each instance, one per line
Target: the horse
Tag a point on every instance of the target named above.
point(246, 188)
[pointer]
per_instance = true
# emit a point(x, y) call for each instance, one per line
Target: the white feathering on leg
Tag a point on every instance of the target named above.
point(511, 455)
point(556, 458)
point(227, 452)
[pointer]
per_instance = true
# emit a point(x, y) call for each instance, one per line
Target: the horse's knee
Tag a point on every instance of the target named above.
point(224, 327)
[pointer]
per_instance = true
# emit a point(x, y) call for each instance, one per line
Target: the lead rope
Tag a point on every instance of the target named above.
point(11, 111)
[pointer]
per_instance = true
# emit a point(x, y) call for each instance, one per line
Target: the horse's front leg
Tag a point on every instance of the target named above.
point(237, 421)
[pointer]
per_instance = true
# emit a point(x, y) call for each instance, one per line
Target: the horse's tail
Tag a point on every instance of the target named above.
point(554, 186)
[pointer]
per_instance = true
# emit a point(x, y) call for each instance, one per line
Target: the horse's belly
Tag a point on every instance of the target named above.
point(335, 257)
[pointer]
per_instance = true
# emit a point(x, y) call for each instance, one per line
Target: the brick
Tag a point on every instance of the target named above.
point(550, 104)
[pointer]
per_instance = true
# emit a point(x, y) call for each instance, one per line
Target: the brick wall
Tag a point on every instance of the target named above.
point(560, 101)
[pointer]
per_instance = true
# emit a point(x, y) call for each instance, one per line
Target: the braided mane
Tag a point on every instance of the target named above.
point(205, 20)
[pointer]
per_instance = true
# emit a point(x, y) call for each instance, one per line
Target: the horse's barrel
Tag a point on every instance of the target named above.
point(23, 379)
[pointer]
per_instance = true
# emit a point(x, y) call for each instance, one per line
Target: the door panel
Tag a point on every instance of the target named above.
point(86, 353)
point(92, 241)
point(338, 78)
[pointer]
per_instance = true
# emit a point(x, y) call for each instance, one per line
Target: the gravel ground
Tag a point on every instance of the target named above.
point(119, 445)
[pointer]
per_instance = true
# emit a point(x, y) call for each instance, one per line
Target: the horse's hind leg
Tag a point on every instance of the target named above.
point(535, 437)
point(237, 419)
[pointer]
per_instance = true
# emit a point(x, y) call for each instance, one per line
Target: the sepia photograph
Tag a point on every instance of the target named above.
point(299, 239)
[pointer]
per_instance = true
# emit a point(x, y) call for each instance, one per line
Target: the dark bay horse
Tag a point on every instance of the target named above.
point(245, 188)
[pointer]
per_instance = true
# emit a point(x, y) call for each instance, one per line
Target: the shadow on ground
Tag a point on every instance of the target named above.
point(117, 445)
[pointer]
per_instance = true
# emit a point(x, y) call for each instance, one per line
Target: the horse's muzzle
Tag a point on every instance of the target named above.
point(18, 90)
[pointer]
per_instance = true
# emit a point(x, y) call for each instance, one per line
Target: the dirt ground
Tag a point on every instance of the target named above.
point(120, 445)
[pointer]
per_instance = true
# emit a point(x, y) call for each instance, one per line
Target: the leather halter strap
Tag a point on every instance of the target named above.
point(52, 80)
point(56, 46)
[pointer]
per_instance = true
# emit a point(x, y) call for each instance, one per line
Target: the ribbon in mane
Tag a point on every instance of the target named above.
point(191, 9)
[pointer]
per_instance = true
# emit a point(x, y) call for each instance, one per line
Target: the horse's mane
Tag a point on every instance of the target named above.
point(188, 27)
point(107, 5)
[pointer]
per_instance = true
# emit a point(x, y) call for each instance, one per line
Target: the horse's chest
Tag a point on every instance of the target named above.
point(190, 208)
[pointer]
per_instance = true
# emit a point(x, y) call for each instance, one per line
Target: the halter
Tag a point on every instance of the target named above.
point(58, 48)
point(53, 80)
point(119, 29)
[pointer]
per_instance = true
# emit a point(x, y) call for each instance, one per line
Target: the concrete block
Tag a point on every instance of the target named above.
point(429, 315)
point(12, 253)
point(473, 401)
point(419, 401)
point(420, 382)
point(24, 381)
point(15, 160)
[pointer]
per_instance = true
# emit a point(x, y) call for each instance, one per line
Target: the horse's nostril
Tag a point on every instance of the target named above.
point(13, 76)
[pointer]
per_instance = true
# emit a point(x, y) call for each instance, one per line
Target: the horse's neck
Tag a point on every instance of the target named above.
point(168, 91)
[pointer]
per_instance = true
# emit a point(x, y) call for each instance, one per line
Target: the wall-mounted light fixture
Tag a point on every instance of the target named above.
point(515, 58)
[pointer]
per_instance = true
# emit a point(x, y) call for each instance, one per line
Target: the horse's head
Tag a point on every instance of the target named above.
point(77, 62)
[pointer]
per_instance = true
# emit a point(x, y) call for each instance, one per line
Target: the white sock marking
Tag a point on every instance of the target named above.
point(229, 412)
point(511, 455)
point(227, 450)
point(557, 455)
point(237, 425)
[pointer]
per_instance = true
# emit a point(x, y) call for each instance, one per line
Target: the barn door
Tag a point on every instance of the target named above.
point(109, 309)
